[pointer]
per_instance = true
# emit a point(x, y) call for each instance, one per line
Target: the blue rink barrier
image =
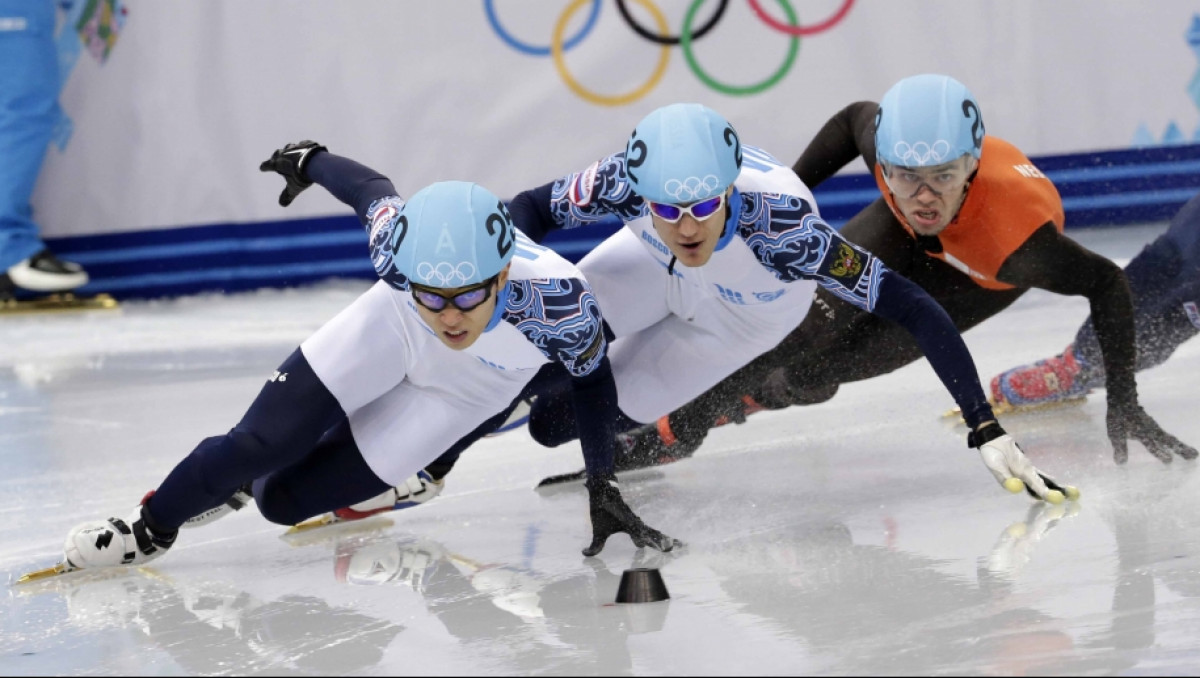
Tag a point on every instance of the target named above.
point(1108, 188)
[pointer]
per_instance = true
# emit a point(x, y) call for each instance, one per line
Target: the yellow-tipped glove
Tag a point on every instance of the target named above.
point(1012, 469)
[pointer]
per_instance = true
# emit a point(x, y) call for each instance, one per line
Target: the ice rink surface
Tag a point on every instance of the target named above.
point(859, 536)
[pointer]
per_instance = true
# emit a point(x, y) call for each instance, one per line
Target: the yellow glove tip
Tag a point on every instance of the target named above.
point(1054, 497)
point(1017, 530)
point(1072, 492)
point(1014, 485)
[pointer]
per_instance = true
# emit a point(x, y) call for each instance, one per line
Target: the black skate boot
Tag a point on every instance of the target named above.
point(653, 445)
point(44, 282)
point(44, 272)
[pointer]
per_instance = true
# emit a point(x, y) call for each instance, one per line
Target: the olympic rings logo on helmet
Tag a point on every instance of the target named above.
point(445, 274)
point(920, 153)
point(692, 188)
point(560, 44)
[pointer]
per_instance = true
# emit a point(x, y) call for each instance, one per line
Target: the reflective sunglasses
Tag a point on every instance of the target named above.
point(465, 301)
point(700, 210)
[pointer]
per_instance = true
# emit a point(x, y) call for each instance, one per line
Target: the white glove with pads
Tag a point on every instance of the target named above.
point(1012, 469)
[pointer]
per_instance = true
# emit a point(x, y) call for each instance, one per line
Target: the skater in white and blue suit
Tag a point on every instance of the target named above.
point(467, 312)
point(721, 253)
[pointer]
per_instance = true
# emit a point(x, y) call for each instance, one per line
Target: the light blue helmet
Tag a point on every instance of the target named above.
point(682, 153)
point(927, 120)
point(452, 234)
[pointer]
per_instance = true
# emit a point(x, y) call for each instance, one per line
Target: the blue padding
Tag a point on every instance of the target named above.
point(1107, 188)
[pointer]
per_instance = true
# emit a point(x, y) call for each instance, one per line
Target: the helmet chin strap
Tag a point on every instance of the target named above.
point(962, 200)
point(733, 207)
point(501, 303)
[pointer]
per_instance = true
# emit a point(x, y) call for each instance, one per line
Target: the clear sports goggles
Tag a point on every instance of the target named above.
point(465, 301)
point(908, 181)
point(700, 210)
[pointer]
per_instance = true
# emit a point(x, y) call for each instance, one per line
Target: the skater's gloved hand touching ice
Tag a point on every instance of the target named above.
point(1128, 421)
point(289, 162)
point(610, 515)
point(1012, 468)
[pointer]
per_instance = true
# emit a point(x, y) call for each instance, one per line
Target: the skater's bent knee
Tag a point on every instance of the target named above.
point(812, 396)
point(276, 504)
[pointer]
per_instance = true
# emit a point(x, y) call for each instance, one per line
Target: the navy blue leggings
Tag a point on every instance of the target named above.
point(294, 445)
point(1164, 275)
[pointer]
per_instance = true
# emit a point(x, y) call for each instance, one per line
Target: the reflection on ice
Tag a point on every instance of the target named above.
point(207, 627)
point(549, 624)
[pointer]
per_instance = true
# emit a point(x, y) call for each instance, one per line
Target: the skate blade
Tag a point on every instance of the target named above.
point(312, 524)
point(51, 579)
point(58, 302)
point(1008, 408)
point(552, 485)
point(323, 527)
point(562, 478)
point(45, 573)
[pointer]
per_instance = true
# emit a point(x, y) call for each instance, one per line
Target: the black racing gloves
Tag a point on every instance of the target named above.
point(610, 515)
point(289, 162)
point(1128, 421)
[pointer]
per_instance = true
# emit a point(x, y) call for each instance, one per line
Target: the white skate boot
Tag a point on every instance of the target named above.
point(237, 502)
point(112, 542)
point(416, 490)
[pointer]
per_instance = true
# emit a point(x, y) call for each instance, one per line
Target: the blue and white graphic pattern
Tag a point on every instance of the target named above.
point(782, 231)
point(610, 193)
point(795, 244)
point(560, 316)
point(381, 224)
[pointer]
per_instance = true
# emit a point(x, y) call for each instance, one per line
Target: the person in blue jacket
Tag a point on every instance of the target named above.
point(29, 111)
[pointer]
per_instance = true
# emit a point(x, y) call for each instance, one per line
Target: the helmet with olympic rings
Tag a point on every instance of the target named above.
point(927, 120)
point(682, 153)
point(452, 234)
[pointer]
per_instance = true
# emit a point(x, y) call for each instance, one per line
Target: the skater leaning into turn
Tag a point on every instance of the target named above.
point(721, 252)
point(466, 313)
point(964, 215)
point(1164, 279)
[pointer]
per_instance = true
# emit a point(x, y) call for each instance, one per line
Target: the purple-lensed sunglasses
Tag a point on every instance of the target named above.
point(700, 210)
point(463, 301)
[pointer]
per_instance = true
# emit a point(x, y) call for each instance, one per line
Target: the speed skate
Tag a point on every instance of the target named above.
point(61, 302)
point(1004, 407)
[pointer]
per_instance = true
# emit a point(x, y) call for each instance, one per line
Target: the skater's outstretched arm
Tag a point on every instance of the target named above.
point(795, 246)
point(849, 134)
point(1052, 261)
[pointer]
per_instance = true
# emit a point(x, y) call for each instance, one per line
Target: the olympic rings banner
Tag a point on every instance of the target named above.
point(169, 131)
point(660, 34)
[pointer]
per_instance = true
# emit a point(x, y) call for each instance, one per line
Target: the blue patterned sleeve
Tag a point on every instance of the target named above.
point(791, 240)
point(560, 316)
point(373, 198)
point(385, 228)
point(598, 192)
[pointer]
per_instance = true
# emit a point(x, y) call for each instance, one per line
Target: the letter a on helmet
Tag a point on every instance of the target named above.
point(452, 234)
